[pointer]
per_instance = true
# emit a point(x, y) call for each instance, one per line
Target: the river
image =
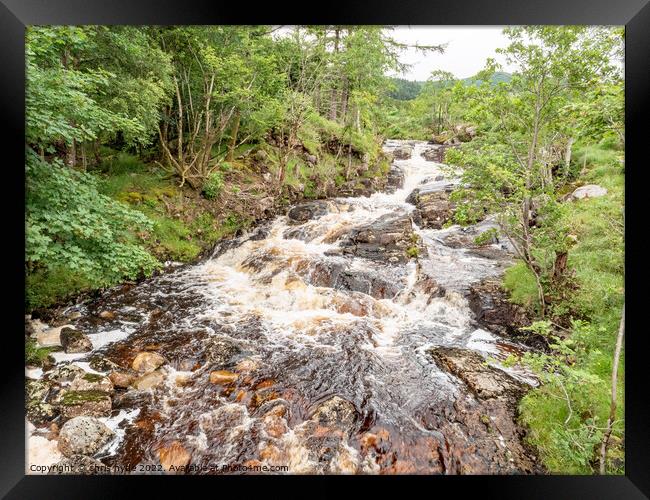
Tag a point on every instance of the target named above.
point(321, 351)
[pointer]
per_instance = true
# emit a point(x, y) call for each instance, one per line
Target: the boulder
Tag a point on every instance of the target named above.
point(336, 412)
point(588, 191)
point(395, 179)
point(403, 152)
point(121, 379)
point(386, 239)
point(433, 208)
point(102, 363)
point(92, 382)
point(73, 341)
point(84, 403)
point(146, 362)
point(83, 436)
point(222, 377)
point(149, 380)
point(65, 373)
point(308, 211)
point(493, 311)
point(435, 154)
point(484, 381)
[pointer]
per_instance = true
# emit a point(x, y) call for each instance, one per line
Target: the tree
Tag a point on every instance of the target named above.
point(554, 65)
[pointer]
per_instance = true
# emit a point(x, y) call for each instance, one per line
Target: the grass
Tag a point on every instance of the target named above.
point(567, 431)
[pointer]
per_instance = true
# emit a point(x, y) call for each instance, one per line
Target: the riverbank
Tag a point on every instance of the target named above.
point(252, 341)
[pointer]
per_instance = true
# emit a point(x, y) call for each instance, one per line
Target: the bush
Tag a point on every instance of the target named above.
point(213, 185)
point(72, 227)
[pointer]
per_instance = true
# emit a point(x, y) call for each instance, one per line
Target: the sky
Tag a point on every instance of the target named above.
point(467, 50)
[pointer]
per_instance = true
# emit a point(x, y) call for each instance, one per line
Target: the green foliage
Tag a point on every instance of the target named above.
point(70, 225)
point(35, 355)
point(520, 282)
point(486, 237)
point(213, 185)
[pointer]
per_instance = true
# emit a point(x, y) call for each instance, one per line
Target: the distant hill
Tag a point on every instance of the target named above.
point(405, 89)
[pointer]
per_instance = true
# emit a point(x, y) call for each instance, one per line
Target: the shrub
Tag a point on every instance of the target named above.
point(213, 185)
point(72, 227)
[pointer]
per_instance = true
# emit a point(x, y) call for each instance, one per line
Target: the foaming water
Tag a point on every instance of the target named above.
point(270, 311)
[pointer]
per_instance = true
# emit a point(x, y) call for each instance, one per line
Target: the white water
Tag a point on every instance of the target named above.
point(312, 340)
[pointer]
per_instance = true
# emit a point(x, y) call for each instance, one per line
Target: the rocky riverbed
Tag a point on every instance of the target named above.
point(352, 335)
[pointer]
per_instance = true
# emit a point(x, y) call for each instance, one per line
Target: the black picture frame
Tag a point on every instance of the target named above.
point(15, 15)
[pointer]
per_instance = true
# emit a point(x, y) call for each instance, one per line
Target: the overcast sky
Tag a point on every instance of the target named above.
point(467, 50)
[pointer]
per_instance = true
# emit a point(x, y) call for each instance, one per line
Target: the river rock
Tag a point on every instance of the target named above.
point(84, 403)
point(101, 363)
point(434, 154)
point(403, 152)
point(469, 366)
point(336, 412)
point(386, 239)
point(222, 377)
point(493, 311)
point(149, 380)
point(433, 208)
point(146, 362)
point(79, 465)
point(92, 382)
point(395, 179)
point(221, 350)
point(121, 379)
point(48, 337)
point(65, 373)
point(308, 211)
point(73, 341)
point(83, 436)
point(588, 191)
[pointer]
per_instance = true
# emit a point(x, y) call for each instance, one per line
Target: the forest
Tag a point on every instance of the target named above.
point(148, 147)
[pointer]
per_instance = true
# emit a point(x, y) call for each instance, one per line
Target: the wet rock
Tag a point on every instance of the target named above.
point(149, 380)
point(386, 239)
point(469, 366)
point(83, 435)
point(73, 341)
point(121, 379)
point(435, 154)
point(146, 362)
point(490, 304)
point(40, 412)
point(92, 382)
point(107, 315)
point(79, 465)
point(50, 336)
point(336, 412)
point(403, 152)
point(65, 373)
point(101, 363)
point(433, 208)
point(247, 365)
point(395, 179)
point(221, 351)
point(222, 377)
point(84, 403)
point(588, 191)
point(308, 211)
point(132, 399)
point(173, 456)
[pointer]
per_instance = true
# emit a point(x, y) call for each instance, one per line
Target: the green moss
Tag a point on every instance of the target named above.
point(74, 398)
point(93, 377)
point(46, 287)
point(413, 252)
point(521, 284)
point(35, 355)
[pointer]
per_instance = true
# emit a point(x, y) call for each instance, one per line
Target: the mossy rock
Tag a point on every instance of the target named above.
point(85, 403)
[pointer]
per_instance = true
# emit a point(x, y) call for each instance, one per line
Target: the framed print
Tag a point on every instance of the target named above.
point(376, 245)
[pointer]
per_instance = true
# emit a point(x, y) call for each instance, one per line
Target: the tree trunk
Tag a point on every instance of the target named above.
point(612, 406)
point(559, 267)
point(334, 97)
point(233, 139)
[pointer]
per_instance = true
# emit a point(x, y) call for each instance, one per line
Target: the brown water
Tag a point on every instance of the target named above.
point(256, 309)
